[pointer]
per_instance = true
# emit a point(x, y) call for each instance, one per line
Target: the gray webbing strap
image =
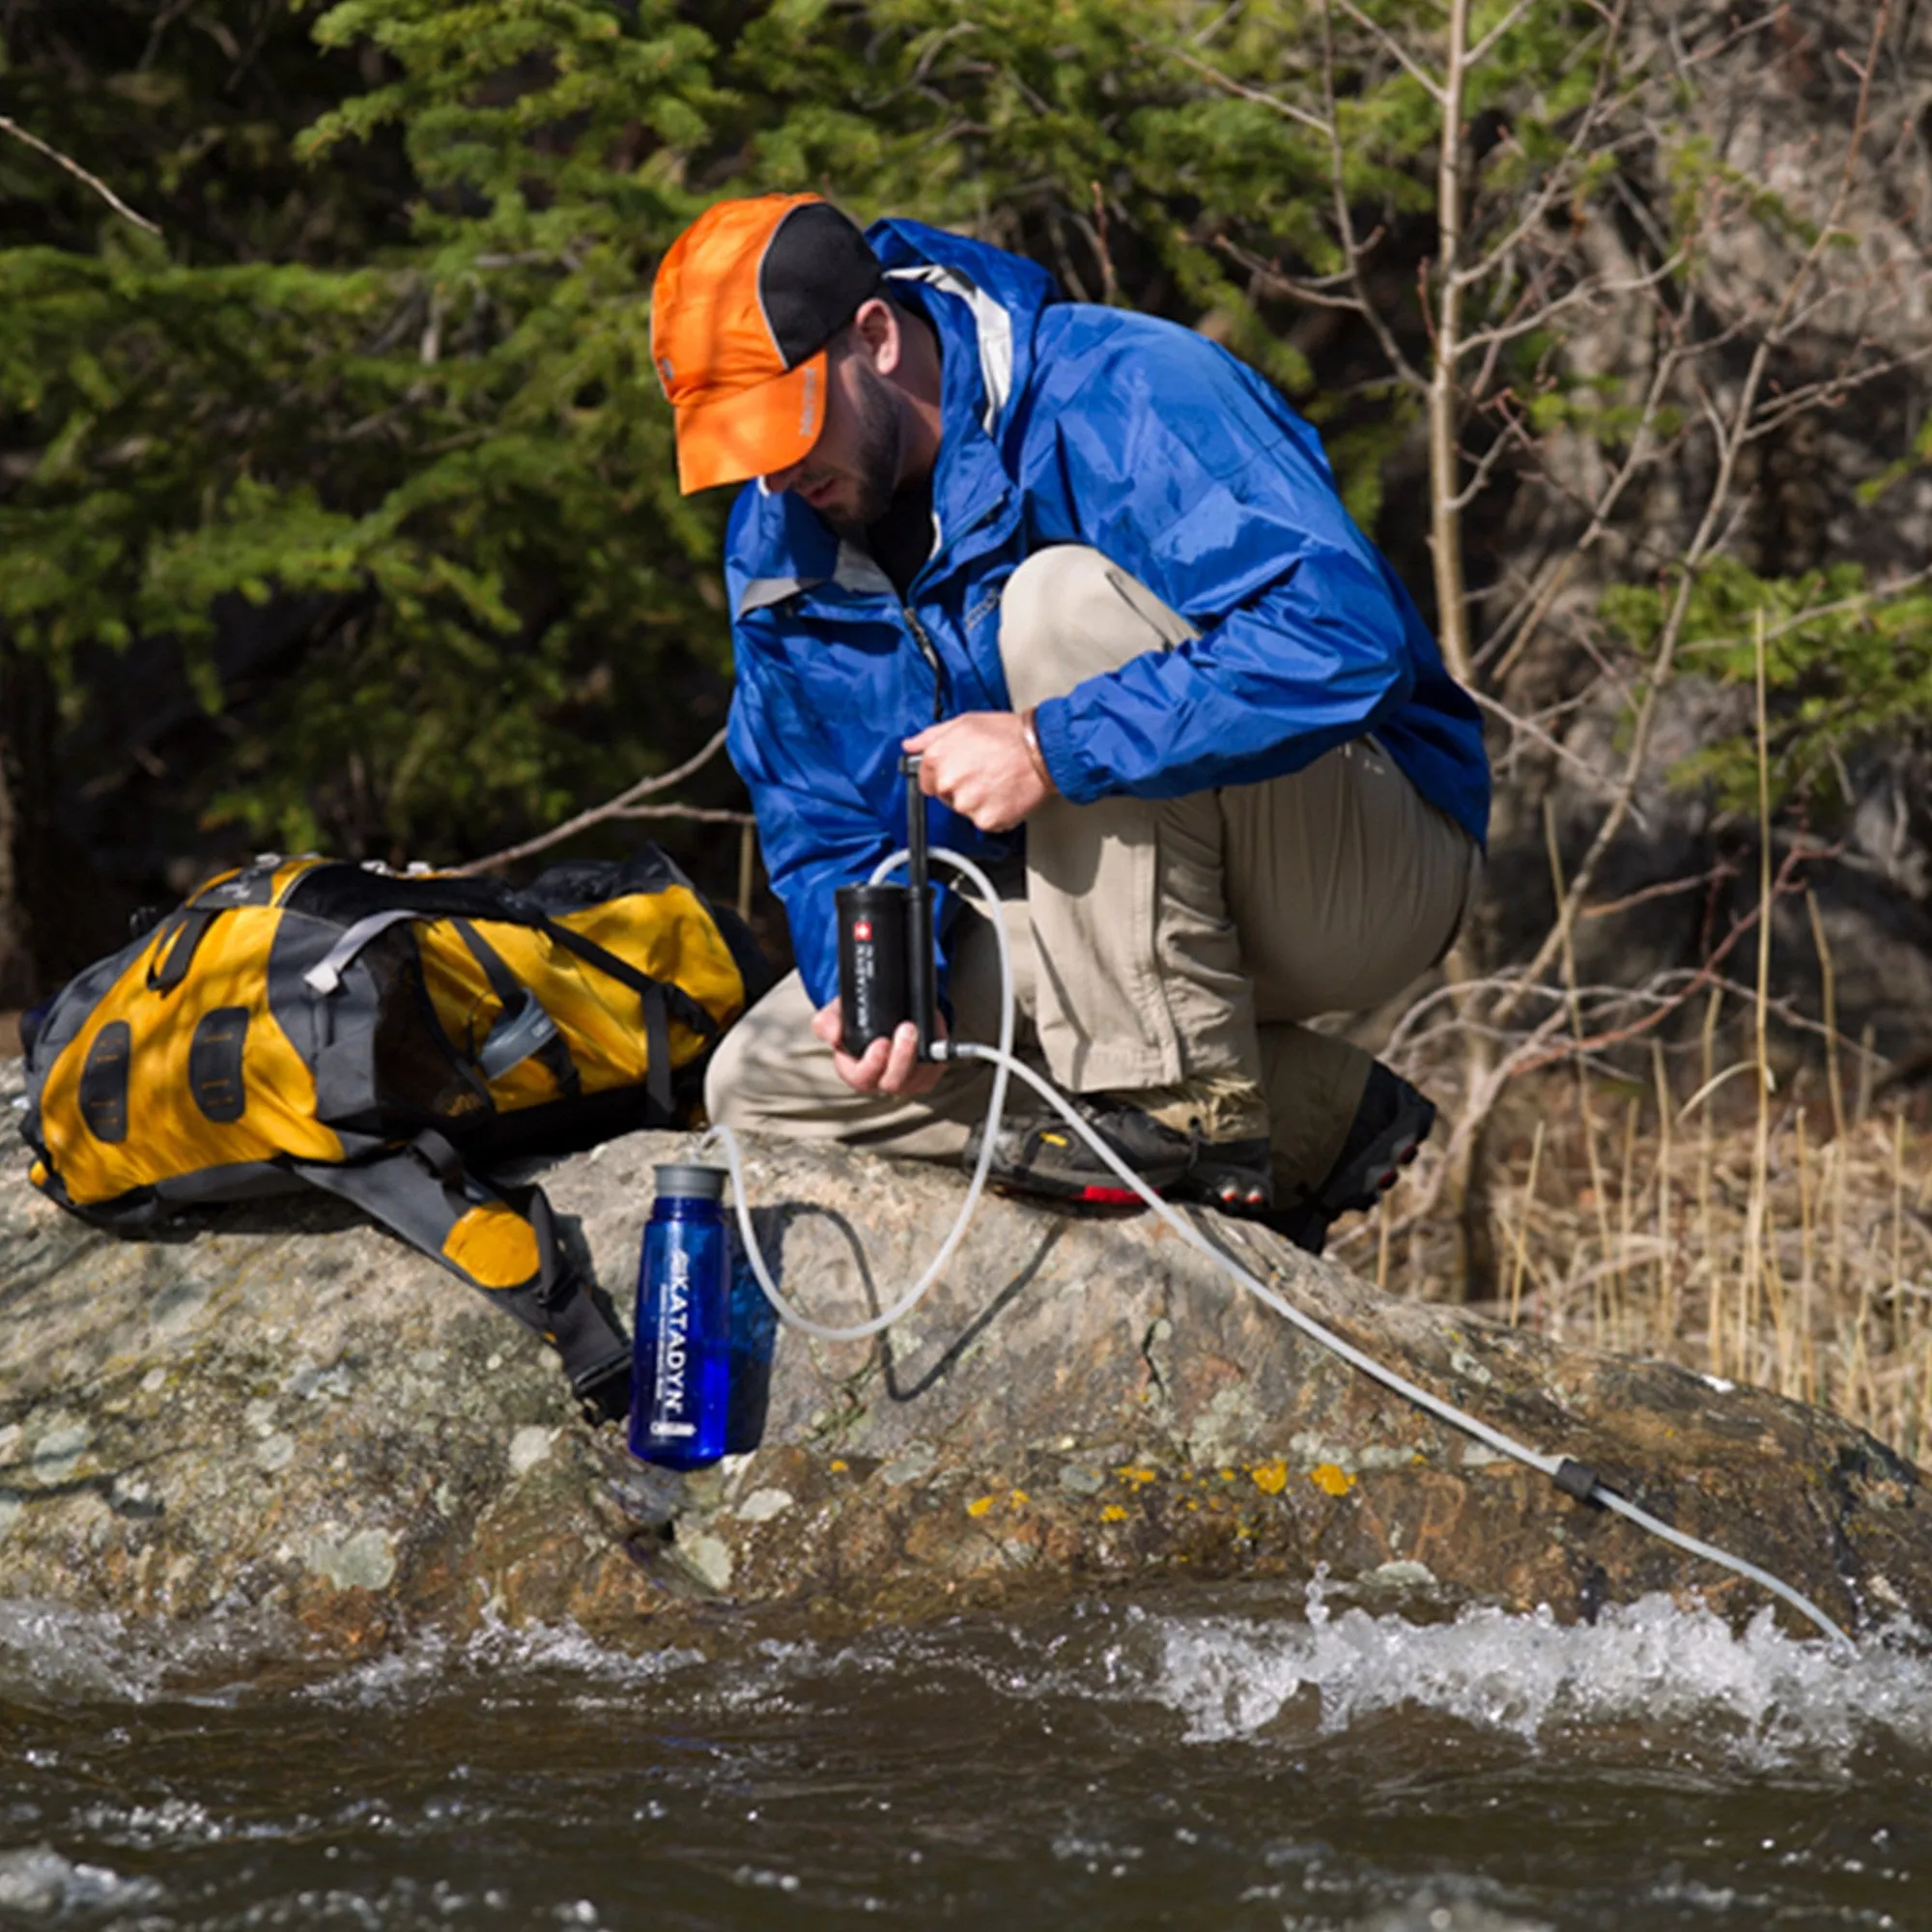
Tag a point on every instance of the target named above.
point(326, 974)
point(174, 952)
point(526, 1025)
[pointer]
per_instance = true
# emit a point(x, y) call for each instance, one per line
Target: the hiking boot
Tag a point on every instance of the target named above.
point(1227, 1117)
point(1388, 1130)
point(1043, 1156)
point(1232, 1175)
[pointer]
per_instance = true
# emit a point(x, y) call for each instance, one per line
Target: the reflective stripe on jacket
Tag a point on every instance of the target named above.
point(1070, 423)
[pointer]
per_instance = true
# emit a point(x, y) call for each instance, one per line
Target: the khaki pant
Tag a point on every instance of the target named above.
point(1156, 941)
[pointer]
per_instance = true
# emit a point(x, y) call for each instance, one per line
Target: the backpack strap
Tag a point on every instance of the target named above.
point(526, 1028)
point(688, 1012)
point(658, 1000)
point(501, 1241)
point(657, 1047)
point(326, 974)
point(174, 950)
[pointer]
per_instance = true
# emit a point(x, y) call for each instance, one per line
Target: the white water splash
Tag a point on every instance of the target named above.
point(50, 1654)
point(1759, 1699)
point(53, 1654)
point(39, 1885)
point(502, 1653)
point(1761, 1695)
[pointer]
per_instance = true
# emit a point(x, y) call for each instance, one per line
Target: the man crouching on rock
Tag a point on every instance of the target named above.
point(1097, 571)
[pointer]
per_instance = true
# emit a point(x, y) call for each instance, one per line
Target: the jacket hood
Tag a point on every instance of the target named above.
point(1003, 293)
point(986, 333)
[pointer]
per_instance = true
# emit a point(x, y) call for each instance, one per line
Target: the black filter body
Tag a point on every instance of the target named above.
point(876, 991)
point(885, 944)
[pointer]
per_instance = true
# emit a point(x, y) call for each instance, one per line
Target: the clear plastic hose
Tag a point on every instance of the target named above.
point(1004, 1064)
point(996, 1101)
point(1381, 1371)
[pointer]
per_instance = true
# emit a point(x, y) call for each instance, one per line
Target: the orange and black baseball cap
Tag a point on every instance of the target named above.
point(745, 303)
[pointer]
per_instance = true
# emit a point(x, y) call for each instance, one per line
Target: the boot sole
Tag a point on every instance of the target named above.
point(1082, 1193)
point(1047, 1184)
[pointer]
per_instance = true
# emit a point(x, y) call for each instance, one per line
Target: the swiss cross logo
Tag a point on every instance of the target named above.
point(862, 930)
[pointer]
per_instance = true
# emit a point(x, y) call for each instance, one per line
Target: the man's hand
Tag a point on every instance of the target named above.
point(983, 766)
point(886, 1065)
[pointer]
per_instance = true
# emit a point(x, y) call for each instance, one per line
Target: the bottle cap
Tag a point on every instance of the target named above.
point(692, 1181)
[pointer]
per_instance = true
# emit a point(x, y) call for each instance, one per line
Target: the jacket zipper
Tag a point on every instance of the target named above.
point(931, 656)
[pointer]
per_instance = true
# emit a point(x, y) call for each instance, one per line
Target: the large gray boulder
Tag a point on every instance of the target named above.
point(283, 1411)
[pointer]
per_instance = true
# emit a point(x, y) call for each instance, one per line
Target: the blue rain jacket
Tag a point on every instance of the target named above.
point(1070, 423)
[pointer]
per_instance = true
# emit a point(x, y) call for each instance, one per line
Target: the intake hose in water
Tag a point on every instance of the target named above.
point(1573, 1478)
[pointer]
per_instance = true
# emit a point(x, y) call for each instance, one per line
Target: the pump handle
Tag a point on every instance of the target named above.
point(920, 990)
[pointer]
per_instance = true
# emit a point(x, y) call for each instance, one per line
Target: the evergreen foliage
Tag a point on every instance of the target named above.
point(385, 381)
point(344, 515)
point(1852, 669)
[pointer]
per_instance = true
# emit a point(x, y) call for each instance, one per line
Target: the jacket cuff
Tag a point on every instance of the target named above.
point(1052, 724)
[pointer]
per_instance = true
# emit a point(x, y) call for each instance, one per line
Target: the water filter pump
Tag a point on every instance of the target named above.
point(885, 944)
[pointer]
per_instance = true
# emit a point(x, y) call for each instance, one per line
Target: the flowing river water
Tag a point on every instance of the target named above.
point(1230, 1759)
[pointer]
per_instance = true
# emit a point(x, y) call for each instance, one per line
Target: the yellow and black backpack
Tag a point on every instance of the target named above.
point(385, 1036)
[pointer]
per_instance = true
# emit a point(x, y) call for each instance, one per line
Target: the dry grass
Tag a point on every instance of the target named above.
point(1746, 1228)
point(1787, 1243)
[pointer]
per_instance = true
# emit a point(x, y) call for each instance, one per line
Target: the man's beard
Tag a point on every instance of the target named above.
point(879, 439)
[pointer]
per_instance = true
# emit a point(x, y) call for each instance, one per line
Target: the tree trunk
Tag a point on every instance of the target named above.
point(17, 980)
point(1451, 605)
point(1446, 514)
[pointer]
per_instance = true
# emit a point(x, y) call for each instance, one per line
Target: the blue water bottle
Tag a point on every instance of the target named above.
point(680, 1378)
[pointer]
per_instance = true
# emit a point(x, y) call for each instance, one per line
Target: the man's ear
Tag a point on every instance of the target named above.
point(875, 330)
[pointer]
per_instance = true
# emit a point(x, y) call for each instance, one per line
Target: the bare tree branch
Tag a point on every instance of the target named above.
point(1561, 172)
point(1528, 618)
point(1316, 294)
point(1353, 249)
point(1830, 392)
point(9, 126)
point(1261, 97)
point(1447, 349)
point(625, 804)
point(1481, 50)
point(1588, 291)
point(1705, 542)
point(1397, 53)
point(1516, 723)
point(702, 815)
